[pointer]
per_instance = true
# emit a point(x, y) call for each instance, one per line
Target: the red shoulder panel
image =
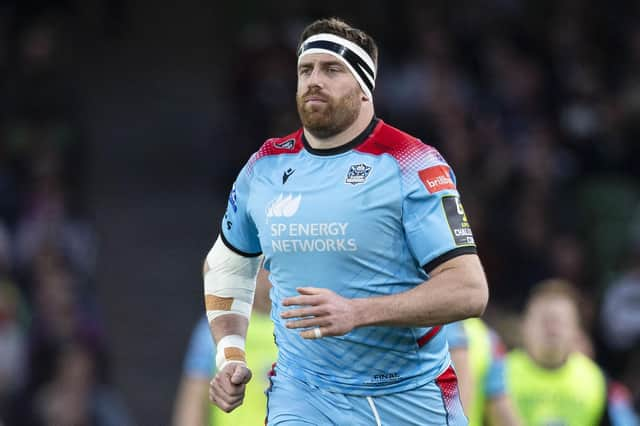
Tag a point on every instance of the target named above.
point(406, 149)
point(290, 144)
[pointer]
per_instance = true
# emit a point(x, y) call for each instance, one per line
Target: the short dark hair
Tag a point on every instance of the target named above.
point(337, 26)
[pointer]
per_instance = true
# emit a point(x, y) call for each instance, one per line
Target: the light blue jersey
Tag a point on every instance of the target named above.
point(369, 218)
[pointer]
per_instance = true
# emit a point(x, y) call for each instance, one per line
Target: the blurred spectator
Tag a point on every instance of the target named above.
point(37, 87)
point(550, 381)
point(47, 248)
point(58, 318)
point(621, 320)
point(74, 395)
point(621, 307)
point(478, 353)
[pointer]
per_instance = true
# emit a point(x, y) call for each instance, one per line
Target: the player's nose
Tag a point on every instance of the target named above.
point(315, 78)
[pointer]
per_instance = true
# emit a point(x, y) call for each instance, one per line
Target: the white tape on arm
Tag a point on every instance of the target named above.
point(230, 349)
point(229, 284)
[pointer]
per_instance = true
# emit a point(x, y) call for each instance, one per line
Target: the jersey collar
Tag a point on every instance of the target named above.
point(342, 148)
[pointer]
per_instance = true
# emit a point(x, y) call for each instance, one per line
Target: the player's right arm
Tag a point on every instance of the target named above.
point(229, 289)
point(229, 274)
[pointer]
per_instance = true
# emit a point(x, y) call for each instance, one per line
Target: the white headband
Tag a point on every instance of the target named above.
point(353, 56)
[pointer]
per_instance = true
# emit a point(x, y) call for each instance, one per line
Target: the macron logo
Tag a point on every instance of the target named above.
point(284, 206)
point(437, 178)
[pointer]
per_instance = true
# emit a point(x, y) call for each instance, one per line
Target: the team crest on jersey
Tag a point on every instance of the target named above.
point(358, 173)
point(288, 144)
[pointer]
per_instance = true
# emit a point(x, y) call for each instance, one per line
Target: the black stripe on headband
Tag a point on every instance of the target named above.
point(356, 62)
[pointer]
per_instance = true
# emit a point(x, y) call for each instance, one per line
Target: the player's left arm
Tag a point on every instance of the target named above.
point(456, 290)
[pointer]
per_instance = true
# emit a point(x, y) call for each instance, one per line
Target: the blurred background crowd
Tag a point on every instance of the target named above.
point(53, 360)
point(123, 125)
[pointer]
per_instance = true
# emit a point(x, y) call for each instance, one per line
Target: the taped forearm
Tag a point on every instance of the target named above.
point(229, 282)
point(229, 287)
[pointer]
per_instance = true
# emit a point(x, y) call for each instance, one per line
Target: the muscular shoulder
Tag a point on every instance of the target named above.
point(402, 146)
point(289, 144)
point(409, 152)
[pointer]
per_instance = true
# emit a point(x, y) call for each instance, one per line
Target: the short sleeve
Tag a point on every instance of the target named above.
point(456, 335)
point(495, 385)
point(200, 355)
point(239, 233)
point(435, 223)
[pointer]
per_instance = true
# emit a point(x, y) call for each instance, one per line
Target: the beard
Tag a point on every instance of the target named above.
point(328, 119)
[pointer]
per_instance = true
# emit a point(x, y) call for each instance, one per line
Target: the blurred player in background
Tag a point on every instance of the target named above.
point(191, 404)
point(368, 248)
point(477, 353)
point(551, 382)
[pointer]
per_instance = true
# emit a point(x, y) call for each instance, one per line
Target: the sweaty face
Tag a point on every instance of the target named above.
point(328, 96)
point(551, 330)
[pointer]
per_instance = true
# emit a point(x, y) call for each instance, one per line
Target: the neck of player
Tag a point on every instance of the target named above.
point(347, 135)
